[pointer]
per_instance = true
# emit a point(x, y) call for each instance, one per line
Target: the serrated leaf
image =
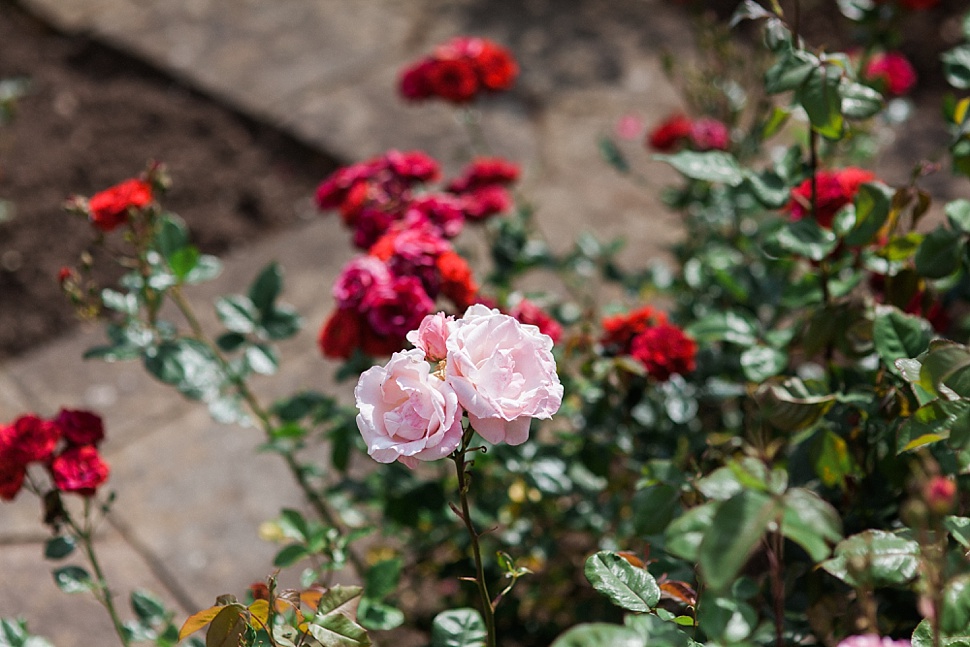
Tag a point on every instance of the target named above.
point(627, 586)
point(790, 71)
point(266, 288)
point(819, 96)
point(805, 238)
point(899, 336)
point(332, 625)
point(237, 313)
point(458, 628)
point(710, 166)
point(148, 607)
point(859, 101)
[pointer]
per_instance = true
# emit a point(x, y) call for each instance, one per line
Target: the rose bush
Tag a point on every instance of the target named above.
point(763, 443)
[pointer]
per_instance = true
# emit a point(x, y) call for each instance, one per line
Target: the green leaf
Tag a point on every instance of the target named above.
point(598, 634)
point(59, 547)
point(933, 422)
point(656, 632)
point(172, 234)
point(382, 578)
point(958, 215)
point(377, 616)
point(872, 203)
point(761, 362)
point(265, 289)
point(613, 155)
point(731, 326)
point(939, 254)
point(262, 359)
point(811, 522)
point(819, 96)
point(685, 533)
point(653, 508)
point(237, 313)
point(726, 619)
point(942, 361)
point(711, 166)
point(769, 188)
point(147, 607)
point(290, 555)
point(788, 410)
point(458, 628)
point(183, 261)
point(73, 579)
point(955, 615)
point(332, 624)
point(790, 71)
point(627, 586)
point(738, 526)
point(956, 67)
point(923, 637)
point(859, 101)
point(773, 124)
point(229, 627)
point(230, 341)
point(281, 323)
point(897, 335)
point(189, 365)
point(874, 558)
point(831, 459)
point(805, 238)
point(206, 268)
point(901, 248)
point(749, 10)
point(959, 528)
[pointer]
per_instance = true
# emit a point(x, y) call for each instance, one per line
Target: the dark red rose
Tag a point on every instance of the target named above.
point(79, 470)
point(80, 427)
point(28, 439)
point(12, 475)
point(396, 308)
point(670, 135)
point(664, 350)
point(413, 166)
point(414, 81)
point(341, 333)
point(109, 208)
point(453, 80)
point(485, 171)
point(619, 330)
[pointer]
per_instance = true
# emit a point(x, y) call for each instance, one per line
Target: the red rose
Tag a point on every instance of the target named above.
point(397, 307)
point(80, 470)
point(109, 208)
point(483, 202)
point(80, 427)
point(457, 282)
point(414, 81)
point(709, 135)
point(12, 475)
point(341, 333)
point(619, 330)
point(891, 71)
point(529, 313)
point(484, 171)
point(454, 80)
point(28, 439)
point(834, 190)
point(670, 135)
point(664, 350)
point(496, 67)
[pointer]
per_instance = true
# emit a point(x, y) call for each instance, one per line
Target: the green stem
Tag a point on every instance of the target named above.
point(488, 609)
point(103, 592)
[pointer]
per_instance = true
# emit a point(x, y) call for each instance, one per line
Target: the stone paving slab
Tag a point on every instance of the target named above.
point(193, 493)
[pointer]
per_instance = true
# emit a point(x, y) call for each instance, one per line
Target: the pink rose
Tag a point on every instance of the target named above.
point(406, 412)
point(431, 336)
point(359, 276)
point(503, 372)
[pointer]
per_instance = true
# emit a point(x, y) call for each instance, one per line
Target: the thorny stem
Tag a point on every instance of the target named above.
point(316, 502)
point(488, 608)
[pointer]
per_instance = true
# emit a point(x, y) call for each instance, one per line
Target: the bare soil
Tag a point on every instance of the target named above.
point(94, 116)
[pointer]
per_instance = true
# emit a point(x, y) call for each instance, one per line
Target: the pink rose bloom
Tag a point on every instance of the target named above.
point(892, 71)
point(503, 372)
point(406, 412)
point(357, 278)
point(431, 335)
point(710, 135)
point(872, 640)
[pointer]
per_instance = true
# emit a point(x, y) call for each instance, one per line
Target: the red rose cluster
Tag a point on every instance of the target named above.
point(834, 190)
point(891, 72)
point(679, 131)
point(388, 192)
point(109, 209)
point(457, 71)
point(67, 446)
point(647, 336)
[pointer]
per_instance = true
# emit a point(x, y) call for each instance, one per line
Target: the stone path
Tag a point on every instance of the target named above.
point(192, 493)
